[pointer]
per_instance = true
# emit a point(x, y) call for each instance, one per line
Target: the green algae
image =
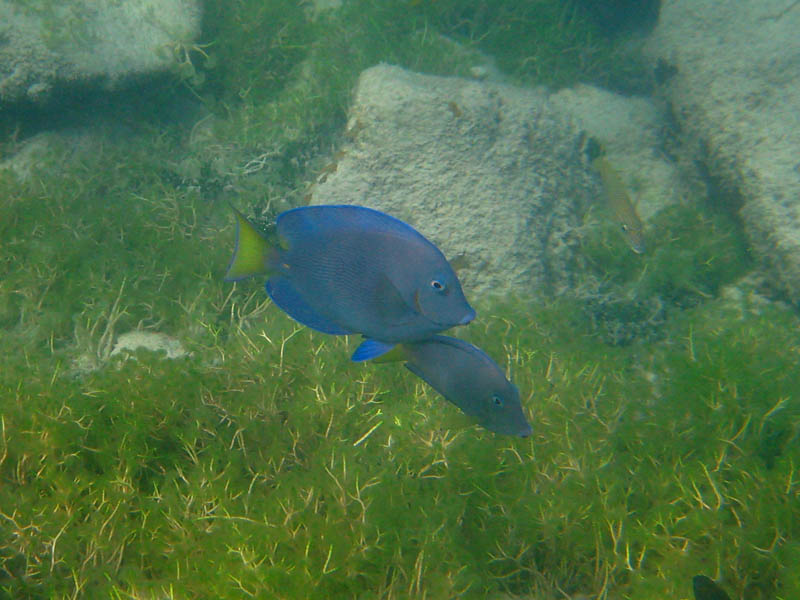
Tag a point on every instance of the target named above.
point(278, 82)
point(538, 42)
point(266, 464)
point(692, 253)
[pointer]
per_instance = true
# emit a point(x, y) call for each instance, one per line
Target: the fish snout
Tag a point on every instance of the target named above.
point(526, 431)
point(468, 318)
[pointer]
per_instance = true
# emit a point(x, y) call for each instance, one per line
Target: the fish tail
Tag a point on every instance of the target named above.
point(253, 254)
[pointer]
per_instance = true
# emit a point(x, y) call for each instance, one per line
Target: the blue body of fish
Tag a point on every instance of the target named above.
point(354, 270)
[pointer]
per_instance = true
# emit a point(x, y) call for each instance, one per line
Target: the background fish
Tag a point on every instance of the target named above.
point(466, 376)
point(620, 204)
point(350, 269)
point(706, 589)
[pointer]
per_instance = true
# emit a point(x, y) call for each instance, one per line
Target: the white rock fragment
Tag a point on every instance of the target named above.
point(153, 341)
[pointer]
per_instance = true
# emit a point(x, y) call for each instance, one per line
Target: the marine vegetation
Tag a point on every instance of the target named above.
point(537, 41)
point(692, 252)
point(265, 463)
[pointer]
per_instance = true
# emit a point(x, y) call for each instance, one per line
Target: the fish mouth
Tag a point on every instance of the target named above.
point(468, 318)
point(637, 247)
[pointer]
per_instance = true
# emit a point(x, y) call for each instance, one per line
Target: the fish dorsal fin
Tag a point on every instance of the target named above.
point(299, 222)
point(459, 262)
point(461, 346)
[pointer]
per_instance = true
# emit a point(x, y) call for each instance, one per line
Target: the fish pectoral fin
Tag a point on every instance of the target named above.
point(389, 302)
point(466, 418)
point(419, 373)
point(252, 253)
point(369, 349)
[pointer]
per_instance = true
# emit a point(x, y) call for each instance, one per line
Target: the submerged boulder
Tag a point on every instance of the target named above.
point(731, 72)
point(48, 45)
point(489, 172)
point(629, 130)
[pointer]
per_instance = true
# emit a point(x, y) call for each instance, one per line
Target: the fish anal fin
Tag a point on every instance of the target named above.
point(380, 351)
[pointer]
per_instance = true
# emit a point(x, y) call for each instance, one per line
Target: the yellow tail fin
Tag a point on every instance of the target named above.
point(252, 252)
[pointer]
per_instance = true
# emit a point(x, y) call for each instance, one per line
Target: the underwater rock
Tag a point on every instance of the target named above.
point(630, 131)
point(132, 341)
point(490, 172)
point(48, 45)
point(49, 148)
point(735, 92)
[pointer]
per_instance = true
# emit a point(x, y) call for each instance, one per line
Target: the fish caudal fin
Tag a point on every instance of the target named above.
point(252, 254)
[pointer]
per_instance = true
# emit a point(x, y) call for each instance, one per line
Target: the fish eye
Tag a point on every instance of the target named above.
point(437, 285)
point(497, 400)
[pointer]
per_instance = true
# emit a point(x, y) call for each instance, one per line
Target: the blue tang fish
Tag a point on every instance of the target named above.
point(466, 376)
point(353, 270)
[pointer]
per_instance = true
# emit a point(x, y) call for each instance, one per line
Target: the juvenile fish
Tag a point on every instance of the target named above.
point(466, 376)
point(353, 270)
point(620, 204)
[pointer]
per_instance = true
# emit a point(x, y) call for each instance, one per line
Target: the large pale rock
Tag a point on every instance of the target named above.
point(736, 96)
point(46, 44)
point(485, 170)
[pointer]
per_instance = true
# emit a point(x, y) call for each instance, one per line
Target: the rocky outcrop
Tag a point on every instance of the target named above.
point(487, 171)
point(630, 130)
point(731, 71)
point(45, 45)
point(493, 173)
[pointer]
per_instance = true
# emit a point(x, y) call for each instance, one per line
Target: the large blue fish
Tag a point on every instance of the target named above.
point(353, 270)
point(466, 376)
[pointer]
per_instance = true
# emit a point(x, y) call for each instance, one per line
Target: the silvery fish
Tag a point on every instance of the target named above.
point(620, 204)
point(466, 376)
point(349, 270)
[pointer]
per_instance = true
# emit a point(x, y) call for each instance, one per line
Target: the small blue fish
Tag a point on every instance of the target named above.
point(466, 376)
point(348, 270)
